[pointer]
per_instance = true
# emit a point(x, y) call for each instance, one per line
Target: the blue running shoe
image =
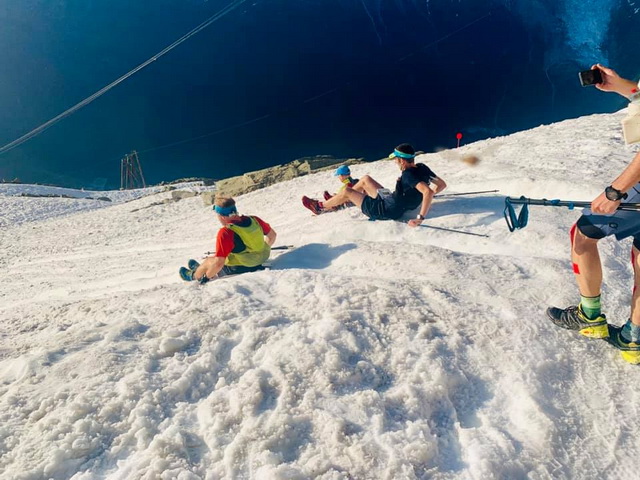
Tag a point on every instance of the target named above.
point(187, 274)
point(193, 265)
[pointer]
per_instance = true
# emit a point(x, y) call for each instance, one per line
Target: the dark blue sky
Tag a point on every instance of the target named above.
point(394, 71)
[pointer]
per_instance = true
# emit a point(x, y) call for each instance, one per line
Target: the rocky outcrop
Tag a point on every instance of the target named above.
point(251, 181)
point(203, 181)
point(181, 194)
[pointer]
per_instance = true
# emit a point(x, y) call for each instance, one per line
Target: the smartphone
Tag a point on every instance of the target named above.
point(590, 77)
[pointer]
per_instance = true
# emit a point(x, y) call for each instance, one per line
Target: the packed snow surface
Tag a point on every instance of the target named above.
point(371, 351)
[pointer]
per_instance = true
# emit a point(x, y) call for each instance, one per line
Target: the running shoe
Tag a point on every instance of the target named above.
point(573, 318)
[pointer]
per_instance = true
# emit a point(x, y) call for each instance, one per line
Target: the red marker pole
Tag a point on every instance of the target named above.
point(459, 137)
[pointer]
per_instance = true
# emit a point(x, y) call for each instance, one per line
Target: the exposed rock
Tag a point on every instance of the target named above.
point(251, 181)
point(204, 181)
point(208, 198)
point(180, 194)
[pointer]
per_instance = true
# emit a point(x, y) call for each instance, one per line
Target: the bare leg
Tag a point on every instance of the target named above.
point(586, 264)
point(344, 196)
point(366, 186)
point(635, 301)
point(210, 266)
point(202, 269)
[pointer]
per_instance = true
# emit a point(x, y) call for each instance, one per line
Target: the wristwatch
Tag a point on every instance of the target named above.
point(419, 217)
point(614, 194)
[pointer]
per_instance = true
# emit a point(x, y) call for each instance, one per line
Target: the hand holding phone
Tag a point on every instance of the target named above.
point(590, 77)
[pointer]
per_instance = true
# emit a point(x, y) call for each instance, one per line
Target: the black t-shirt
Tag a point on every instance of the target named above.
point(406, 196)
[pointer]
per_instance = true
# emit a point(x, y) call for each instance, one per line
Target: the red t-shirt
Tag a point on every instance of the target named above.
point(226, 241)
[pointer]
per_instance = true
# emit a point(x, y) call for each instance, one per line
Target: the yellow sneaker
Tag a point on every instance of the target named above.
point(573, 318)
point(629, 351)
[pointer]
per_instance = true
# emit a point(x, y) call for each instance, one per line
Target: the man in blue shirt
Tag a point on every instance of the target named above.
point(412, 190)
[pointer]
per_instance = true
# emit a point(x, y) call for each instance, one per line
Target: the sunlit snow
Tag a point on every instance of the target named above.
point(371, 351)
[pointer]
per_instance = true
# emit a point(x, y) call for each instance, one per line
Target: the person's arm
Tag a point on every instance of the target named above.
point(214, 266)
point(612, 82)
point(267, 231)
point(427, 198)
point(271, 237)
point(439, 183)
point(627, 179)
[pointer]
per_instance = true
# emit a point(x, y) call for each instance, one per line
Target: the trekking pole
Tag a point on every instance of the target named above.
point(454, 231)
point(283, 247)
point(280, 247)
point(465, 193)
point(519, 220)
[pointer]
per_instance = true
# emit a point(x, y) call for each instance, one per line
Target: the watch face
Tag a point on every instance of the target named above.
point(608, 193)
point(612, 194)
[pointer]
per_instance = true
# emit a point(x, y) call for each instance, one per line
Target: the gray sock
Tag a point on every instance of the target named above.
point(631, 332)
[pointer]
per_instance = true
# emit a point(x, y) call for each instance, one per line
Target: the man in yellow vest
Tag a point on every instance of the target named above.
point(243, 244)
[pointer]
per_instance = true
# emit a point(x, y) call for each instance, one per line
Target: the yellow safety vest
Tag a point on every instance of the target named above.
point(347, 182)
point(257, 251)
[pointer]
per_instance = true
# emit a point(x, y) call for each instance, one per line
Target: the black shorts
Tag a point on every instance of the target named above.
point(235, 270)
point(378, 209)
point(622, 223)
point(621, 226)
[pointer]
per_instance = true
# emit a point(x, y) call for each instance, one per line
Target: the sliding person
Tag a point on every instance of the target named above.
point(343, 172)
point(243, 244)
point(413, 190)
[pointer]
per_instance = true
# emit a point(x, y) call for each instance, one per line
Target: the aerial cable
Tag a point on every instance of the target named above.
point(314, 97)
point(448, 35)
point(216, 132)
point(10, 146)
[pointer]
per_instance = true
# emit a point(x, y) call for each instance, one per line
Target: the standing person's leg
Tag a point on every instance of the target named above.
point(587, 268)
point(586, 263)
point(631, 329)
point(585, 317)
point(627, 338)
point(635, 299)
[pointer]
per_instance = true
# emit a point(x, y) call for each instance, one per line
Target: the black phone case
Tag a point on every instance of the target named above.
point(590, 77)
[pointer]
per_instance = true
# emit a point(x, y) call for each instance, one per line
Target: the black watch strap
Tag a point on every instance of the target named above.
point(614, 194)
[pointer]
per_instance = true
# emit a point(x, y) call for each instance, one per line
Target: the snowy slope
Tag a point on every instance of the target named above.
point(373, 350)
point(24, 203)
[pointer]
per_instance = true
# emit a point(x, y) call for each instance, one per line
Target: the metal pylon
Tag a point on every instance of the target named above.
point(131, 172)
